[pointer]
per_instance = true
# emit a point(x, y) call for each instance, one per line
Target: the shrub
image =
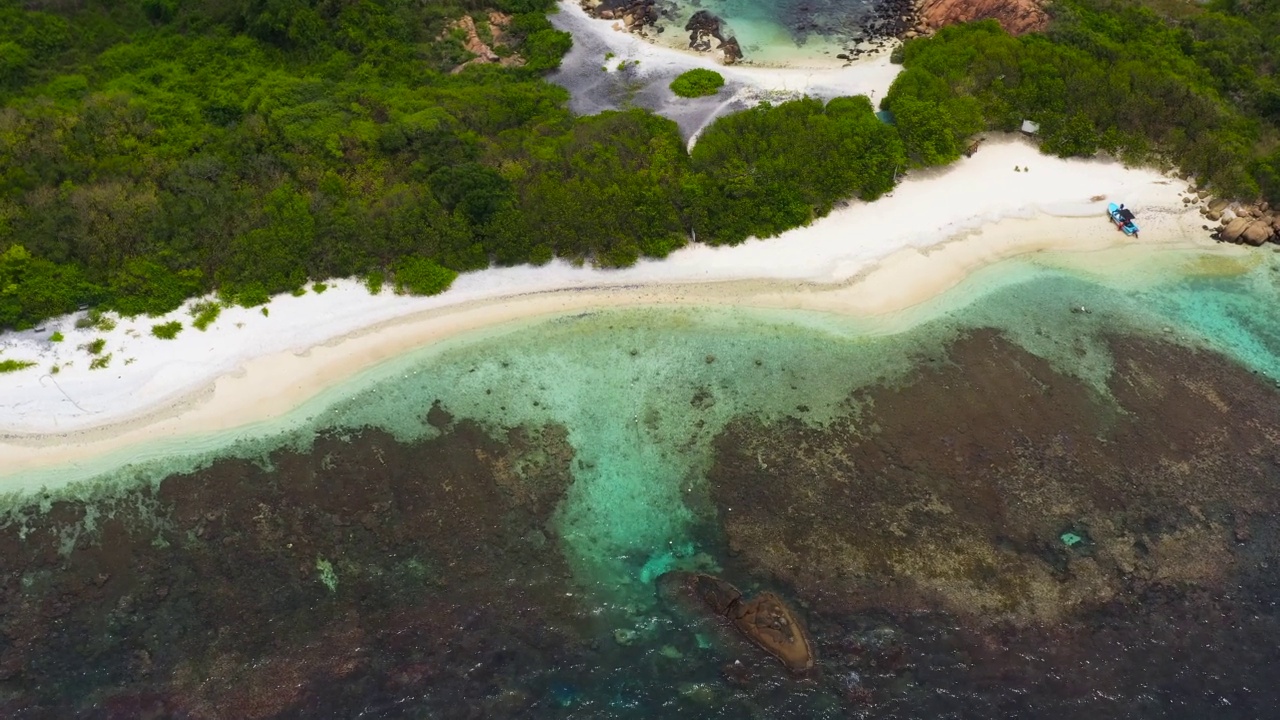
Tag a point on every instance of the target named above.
point(374, 281)
point(98, 320)
point(101, 321)
point(57, 337)
point(100, 363)
point(248, 295)
point(698, 82)
point(95, 347)
point(167, 331)
point(422, 276)
point(205, 313)
point(8, 366)
point(319, 288)
point(144, 286)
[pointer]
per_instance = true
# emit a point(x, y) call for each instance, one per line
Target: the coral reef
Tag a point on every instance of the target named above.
point(964, 508)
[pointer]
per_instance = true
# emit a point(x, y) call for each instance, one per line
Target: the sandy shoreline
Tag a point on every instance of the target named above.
point(863, 260)
point(606, 65)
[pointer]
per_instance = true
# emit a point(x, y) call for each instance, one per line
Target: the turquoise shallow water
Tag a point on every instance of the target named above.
point(347, 543)
point(643, 392)
point(793, 32)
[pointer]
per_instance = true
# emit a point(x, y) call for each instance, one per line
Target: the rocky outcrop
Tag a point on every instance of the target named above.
point(484, 54)
point(1232, 231)
point(1246, 224)
point(705, 27)
point(764, 619)
point(706, 30)
point(731, 51)
point(474, 44)
point(1015, 16)
point(634, 14)
point(1258, 232)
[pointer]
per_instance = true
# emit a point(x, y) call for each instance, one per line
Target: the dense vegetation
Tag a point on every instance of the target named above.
point(152, 150)
point(770, 168)
point(1198, 91)
point(698, 82)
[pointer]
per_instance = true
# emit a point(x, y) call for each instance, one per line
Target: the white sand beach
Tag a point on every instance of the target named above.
point(802, 72)
point(864, 259)
point(937, 227)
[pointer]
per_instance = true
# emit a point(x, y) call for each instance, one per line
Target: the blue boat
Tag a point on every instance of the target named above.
point(1123, 218)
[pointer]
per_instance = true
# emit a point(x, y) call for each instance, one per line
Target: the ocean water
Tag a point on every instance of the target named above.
point(790, 32)
point(485, 528)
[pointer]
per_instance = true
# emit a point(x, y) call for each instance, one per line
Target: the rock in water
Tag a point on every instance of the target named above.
point(765, 619)
point(769, 622)
point(704, 27)
point(716, 593)
point(732, 51)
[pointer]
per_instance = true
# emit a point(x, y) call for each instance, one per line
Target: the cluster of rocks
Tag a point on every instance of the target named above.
point(865, 30)
point(484, 54)
point(706, 30)
point(871, 46)
point(887, 21)
point(1252, 224)
point(869, 32)
point(891, 18)
point(704, 27)
point(633, 14)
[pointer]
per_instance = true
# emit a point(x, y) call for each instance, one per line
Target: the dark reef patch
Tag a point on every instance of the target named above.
point(984, 535)
point(337, 581)
point(947, 502)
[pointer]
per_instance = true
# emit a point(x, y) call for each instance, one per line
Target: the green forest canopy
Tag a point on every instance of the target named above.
point(1200, 92)
point(152, 150)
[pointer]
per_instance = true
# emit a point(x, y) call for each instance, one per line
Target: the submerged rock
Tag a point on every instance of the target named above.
point(765, 619)
point(704, 27)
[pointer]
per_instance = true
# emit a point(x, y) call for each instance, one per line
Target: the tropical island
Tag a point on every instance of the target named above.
point(384, 358)
point(158, 151)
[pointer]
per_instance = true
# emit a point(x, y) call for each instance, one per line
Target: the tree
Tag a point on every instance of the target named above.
point(927, 130)
point(418, 275)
